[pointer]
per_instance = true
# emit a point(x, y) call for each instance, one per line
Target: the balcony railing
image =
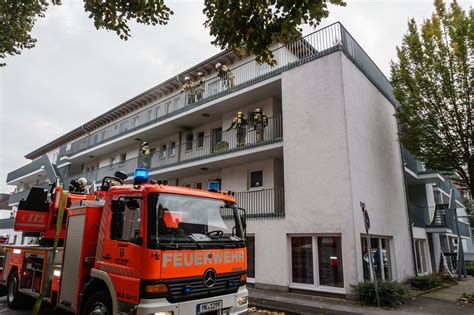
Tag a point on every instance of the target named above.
point(419, 216)
point(217, 144)
point(210, 146)
point(265, 203)
point(315, 45)
point(444, 217)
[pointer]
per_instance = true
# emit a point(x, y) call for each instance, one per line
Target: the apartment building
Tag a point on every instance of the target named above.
point(435, 226)
point(330, 144)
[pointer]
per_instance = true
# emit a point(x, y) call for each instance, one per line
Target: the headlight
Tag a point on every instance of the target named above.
point(242, 300)
point(165, 313)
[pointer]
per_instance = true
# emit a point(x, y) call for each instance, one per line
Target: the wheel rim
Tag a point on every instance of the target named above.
point(12, 287)
point(98, 308)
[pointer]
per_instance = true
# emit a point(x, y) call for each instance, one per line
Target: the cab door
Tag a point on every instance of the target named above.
point(123, 246)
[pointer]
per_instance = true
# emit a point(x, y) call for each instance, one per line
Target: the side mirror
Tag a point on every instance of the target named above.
point(243, 219)
point(118, 206)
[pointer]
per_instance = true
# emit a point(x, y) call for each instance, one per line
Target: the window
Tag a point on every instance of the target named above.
point(187, 185)
point(198, 185)
point(200, 140)
point(172, 148)
point(302, 259)
point(420, 256)
point(148, 115)
point(189, 142)
point(157, 111)
point(327, 272)
point(330, 261)
point(111, 161)
point(163, 151)
point(250, 256)
point(380, 255)
point(123, 157)
point(127, 223)
point(169, 109)
point(14, 239)
point(256, 179)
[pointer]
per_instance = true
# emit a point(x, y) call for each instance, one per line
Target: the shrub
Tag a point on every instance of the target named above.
point(447, 279)
point(467, 297)
point(391, 293)
point(425, 282)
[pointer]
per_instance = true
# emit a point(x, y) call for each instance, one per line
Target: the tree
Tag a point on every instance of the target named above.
point(244, 26)
point(433, 82)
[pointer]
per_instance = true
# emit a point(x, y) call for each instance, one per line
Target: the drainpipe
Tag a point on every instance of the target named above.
point(412, 240)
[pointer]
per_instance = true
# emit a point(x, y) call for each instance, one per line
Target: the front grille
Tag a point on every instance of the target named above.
point(194, 288)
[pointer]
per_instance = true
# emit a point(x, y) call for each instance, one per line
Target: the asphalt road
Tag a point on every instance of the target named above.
point(5, 310)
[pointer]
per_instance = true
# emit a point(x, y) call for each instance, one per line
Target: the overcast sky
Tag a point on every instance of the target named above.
point(76, 72)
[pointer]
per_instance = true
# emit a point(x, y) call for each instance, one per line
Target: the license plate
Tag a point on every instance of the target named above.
point(209, 307)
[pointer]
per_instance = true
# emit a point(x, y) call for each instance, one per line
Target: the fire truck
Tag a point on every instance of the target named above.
point(141, 248)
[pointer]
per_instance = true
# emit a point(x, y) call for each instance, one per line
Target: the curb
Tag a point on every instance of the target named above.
point(293, 308)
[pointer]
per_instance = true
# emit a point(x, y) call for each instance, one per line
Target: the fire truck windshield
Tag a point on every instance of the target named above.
point(182, 221)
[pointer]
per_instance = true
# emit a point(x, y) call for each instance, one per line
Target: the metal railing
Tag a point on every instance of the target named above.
point(265, 203)
point(315, 45)
point(217, 144)
point(444, 217)
point(419, 216)
point(127, 166)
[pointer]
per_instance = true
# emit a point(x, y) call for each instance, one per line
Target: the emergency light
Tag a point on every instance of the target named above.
point(213, 186)
point(141, 176)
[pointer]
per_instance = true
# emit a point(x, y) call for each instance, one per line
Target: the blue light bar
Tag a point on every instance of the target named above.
point(213, 186)
point(141, 176)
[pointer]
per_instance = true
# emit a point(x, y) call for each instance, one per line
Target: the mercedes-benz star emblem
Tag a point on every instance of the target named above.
point(209, 278)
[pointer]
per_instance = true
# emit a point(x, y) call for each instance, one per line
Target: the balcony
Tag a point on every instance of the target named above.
point(40, 167)
point(217, 145)
point(316, 45)
point(444, 218)
point(419, 216)
point(265, 203)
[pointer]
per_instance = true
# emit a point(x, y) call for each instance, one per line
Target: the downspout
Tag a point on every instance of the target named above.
point(412, 240)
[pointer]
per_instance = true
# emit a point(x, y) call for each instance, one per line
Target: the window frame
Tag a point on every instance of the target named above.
point(200, 140)
point(250, 180)
point(316, 286)
point(189, 143)
point(140, 223)
point(379, 238)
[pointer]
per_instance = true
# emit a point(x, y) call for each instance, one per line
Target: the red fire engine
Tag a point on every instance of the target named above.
point(141, 248)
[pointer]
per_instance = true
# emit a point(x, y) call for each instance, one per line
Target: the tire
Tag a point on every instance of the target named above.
point(98, 303)
point(15, 300)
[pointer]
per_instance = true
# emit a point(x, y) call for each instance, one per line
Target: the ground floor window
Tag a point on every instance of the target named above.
point(380, 254)
point(250, 256)
point(326, 251)
point(420, 256)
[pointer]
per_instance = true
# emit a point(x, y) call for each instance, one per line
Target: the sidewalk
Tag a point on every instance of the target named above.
point(442, 301)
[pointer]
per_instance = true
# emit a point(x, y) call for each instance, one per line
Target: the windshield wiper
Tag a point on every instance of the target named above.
point(190, 238)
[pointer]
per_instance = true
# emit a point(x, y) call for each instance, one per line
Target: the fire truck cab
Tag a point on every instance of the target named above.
point(146, 248)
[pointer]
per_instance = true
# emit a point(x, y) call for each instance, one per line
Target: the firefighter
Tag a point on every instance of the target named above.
point(259, 122)
point(225, 74)
point(239, 123)
point(200, 86)
point(145, 155)
point(78, 185)
point(189, 88)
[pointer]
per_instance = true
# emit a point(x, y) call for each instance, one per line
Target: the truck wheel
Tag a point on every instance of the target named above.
point(98, 303)
point(15, 299)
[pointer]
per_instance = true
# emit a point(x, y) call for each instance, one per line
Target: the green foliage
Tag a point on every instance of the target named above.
point(433, 81)
point(425, 282)
point(17, 19)
point(392, 293)
point(243, 26)
point(470, 268)
point(258, 23)
point(467, 297)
